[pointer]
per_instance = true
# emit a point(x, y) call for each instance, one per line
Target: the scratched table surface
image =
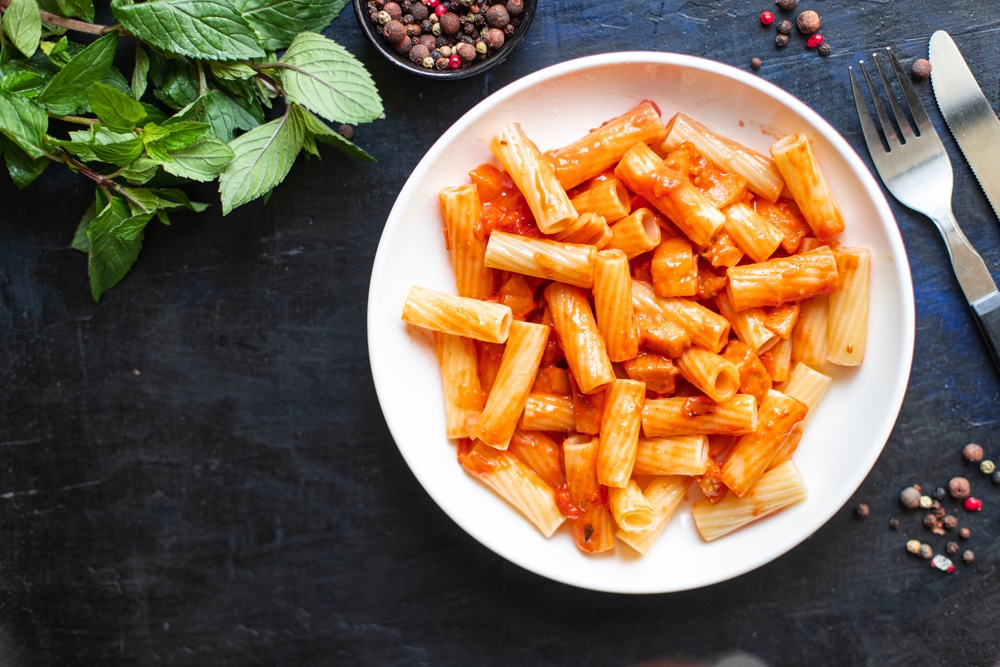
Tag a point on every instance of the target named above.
point(196, 470)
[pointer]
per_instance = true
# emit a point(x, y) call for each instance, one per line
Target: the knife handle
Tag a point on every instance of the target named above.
point(987, 312)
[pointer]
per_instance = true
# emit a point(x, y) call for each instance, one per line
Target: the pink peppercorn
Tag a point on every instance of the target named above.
point(455, 62)
point(973, 504)
point(814, 40)
point(767, 18)
point(440, 10)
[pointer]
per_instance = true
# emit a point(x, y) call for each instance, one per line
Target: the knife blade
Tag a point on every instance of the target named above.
point(968, 113)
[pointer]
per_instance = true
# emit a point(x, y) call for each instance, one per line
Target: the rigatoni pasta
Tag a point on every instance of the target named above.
point(652, 330)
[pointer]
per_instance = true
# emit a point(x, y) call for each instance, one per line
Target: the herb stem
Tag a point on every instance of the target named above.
point(79, 120)
point(103, 182)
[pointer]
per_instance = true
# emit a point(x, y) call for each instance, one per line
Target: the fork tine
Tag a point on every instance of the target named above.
point(872, 137)
point(901, 119)
point(883, 117)
point(912, 101)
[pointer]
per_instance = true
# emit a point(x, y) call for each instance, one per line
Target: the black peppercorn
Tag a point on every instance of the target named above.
point(784, 27)
point(755, 63)
point(824, 49)
point(787, 5)
point(780, 40)
point(862, 510)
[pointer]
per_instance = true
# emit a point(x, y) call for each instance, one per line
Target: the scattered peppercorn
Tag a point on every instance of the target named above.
point(894, 523)
point(930, 520)
point(973, 504)
point(940, 493)
point(926, 502)
point(787, 5)
point(784, 27)
point(766, 18)
point(808, 22)
point(968, 556)
point(913, 546)
point(996, 477)
point(987, 467)
point(824, 49)
point(921, 68)
point(780, 40)
point(950, 521)
point(814, 40)
point(952, 548)
point(346, 131)
point(910, 497)
point(959, 487)
point(964, 533)
point(972, 452)
point(755, 63)
point(926, 551)
point(862, 510)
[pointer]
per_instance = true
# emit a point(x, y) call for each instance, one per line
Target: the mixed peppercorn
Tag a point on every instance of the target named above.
point(807, 22)
point(446, 34)
point(937, 519)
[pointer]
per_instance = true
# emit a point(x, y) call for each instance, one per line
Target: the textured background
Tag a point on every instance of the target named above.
point(196, 471)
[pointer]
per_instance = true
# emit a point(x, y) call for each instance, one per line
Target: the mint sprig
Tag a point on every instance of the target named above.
point(226, 90)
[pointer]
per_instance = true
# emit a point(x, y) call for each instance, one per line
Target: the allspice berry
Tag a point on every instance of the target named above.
point(972, 452)
point(787, 5)
point(755, 63)
point(808, 22)
point(921, 68)
point(959, 487)
point(910, 497)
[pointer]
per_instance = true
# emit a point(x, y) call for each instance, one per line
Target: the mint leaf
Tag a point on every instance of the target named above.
point(67, 91)
point(24, 82)
point(57, 52)
point(121, 153)
point(76, 9)
point(115, 237)
point(23, 169)
point(140, 171)
point(224, 114)
point(263, 157)
point(325, 78)
point(201, 161)
point(116, 111)
point(24, 123)
point(80, 241)
point(209, 29)
point(316, 130)
point(140, 73)
point(279, 21)
point(22, 24)
point(232, 70)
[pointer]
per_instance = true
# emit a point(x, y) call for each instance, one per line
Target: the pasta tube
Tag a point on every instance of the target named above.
point(798, 166)
point(613, 305)
point(461, 209)
point(713, 374)
point(534, 176)
point(459, 315)
point(678, 455)
point(516, 483)
point(606, 197)
point(510, 389)
point(463, 393)
point(776, 489)
point(570, 263)
point(847, 325)
point(548, 412)
point(664, 494)
point(620, 424)
point(698, 415)
point(593, 525)
point(575, 325)
point(783, 279)
point(631, 510)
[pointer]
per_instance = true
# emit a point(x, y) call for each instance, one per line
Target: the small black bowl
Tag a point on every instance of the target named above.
point(373, 32)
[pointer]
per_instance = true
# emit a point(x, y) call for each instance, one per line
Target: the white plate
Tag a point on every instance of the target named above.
point(555, 106)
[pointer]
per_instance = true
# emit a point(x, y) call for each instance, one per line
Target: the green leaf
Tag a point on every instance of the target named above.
point(279, 21)
point(316, 130)
point(263, 157)
point(178, 86)
point(161, 140)
point(115, 237)
point(22, 24)
point(57, 52)
point(76, 9)
point(80, 241)
point(121, 153)
point(325, 78)
point(224, 114)
point(24, 123)
point(232, 70)
point(23, 168)
point(208, 29)
point(140, 171)
point(115, 110)
point(202, 161)
point(67, 91)
point(24, 82)
point(140, 72)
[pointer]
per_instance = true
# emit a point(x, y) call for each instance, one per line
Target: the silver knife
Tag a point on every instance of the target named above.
point(968, 113)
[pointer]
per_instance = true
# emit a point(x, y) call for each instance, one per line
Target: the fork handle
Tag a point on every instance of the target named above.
point(987, 312)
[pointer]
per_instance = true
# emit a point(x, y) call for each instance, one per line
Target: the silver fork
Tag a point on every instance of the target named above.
point(915, 168)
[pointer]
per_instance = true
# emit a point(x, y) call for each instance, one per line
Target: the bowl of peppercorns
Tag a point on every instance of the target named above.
point(445, 39)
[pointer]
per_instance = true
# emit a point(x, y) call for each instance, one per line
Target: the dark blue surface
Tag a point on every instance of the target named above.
point(196, 471)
